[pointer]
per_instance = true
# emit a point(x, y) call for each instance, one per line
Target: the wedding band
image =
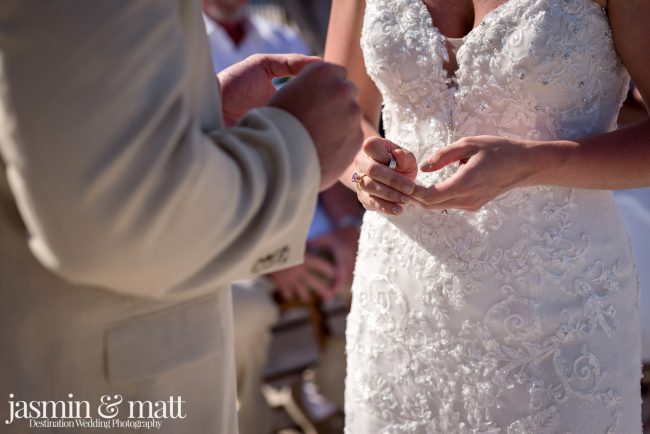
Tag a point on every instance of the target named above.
point(392, 164)
point(356, 178)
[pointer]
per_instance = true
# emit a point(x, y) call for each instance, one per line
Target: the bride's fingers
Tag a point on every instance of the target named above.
point(437, 193)
point(472, 204)
point(385, 175)
point(378, 149)
point(382, 191)
point(373, 203)
point(406, 162)
point(457, 151)
point(459, 185)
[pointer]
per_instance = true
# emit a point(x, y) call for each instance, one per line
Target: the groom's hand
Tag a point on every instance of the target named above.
point(326, 103)
point(249, 84)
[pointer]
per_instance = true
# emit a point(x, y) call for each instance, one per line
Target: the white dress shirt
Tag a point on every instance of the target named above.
point(262, 36)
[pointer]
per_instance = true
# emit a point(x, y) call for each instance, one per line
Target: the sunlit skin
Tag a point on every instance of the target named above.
point(490, 165)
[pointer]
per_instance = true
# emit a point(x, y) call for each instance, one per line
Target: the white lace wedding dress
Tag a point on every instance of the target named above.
point(522, 317)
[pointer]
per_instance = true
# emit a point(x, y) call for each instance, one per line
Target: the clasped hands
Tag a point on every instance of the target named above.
point(319, 96)
point(488, 167)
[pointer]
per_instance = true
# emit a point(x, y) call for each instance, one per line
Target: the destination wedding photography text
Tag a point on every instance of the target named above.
point(111, 411)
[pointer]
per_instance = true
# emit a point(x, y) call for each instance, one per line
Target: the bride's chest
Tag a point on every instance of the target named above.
point(553, 51)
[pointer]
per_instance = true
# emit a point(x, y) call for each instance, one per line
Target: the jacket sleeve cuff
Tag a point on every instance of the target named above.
point(305, 166)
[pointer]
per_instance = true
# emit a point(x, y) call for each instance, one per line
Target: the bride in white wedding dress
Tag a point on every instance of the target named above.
point(495, 289)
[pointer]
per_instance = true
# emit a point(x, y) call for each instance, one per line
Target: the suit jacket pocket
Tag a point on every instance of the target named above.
point(152, 344)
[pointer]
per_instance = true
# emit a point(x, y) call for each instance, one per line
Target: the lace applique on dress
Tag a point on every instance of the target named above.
point(522, 317)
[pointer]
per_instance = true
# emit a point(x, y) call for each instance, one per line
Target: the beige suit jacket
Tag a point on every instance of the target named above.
point(126, 209)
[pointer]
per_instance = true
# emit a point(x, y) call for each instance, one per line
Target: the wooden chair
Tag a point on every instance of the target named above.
point(298, 339)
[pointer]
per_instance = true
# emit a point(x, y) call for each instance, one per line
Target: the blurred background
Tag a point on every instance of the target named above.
point(290, 325)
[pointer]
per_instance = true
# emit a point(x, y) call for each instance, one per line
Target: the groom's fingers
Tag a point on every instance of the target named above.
point(284, 65)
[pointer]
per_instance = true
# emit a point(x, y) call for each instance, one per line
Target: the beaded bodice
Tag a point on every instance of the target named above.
point(504, 320)
point(535, 69)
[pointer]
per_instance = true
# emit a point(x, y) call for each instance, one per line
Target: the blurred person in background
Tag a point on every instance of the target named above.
point(234, 34)
point(311, 17)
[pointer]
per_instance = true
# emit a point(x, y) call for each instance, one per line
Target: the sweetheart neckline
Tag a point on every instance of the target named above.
point(452, 76)
point(486, 16)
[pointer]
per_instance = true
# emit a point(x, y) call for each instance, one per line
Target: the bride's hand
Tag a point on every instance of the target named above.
point(489, 167)
point(381, 188)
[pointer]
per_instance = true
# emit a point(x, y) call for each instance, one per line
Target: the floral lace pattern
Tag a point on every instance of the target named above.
point(522, 317)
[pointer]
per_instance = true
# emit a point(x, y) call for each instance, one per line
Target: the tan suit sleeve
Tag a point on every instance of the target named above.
point(122, 173)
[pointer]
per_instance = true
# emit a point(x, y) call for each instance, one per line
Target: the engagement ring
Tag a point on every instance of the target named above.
point(356, 178)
